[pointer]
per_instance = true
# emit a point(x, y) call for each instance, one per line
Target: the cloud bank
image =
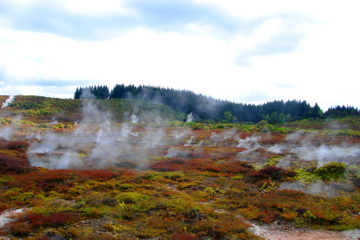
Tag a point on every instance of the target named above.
point(52, 48)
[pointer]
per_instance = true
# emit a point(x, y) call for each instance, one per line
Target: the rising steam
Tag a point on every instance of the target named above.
point(190, 118)
point(250, 143)
point(7, 102)
point(304, 148)
point(96, 143)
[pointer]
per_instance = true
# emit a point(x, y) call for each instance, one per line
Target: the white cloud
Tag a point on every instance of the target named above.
point(96, 8)
point(93, 5)
point(260, 35)
point(306, 51)
point(142, 57)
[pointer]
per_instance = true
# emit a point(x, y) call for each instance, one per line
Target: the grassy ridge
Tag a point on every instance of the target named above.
point(39, 108)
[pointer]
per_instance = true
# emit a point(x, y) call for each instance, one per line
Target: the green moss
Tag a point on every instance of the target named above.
point(59, 125)
point(305, 171)
point(237, 177)
point(214, 191)
point(151, 175)
point(273, 161)
point(174, 175)
point(332, 170)
point(131, 197)
point(186, 185)
point(12, 193)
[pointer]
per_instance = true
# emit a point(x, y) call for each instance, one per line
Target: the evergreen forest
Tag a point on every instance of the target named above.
point(209, 110)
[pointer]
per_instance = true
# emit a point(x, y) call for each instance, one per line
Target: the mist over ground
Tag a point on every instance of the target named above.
point(96, 141)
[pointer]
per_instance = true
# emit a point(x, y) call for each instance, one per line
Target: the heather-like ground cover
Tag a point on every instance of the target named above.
point(102, 179)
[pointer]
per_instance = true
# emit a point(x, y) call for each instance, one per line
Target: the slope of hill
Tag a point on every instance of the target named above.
point(45, 109)
point(101, 179)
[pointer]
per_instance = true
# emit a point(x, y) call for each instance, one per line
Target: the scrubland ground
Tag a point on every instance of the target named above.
point(100, 179)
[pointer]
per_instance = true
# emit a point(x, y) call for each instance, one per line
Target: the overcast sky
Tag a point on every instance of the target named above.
point(241, 51)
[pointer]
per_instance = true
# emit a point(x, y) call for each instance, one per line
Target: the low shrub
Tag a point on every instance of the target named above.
point(271, 172)
point(20, 229)
point(11, 164)
point(14, 145)
point(184, 236)
point(332, 170)
point(131, 197)
point(169, 165)
point(25, 224)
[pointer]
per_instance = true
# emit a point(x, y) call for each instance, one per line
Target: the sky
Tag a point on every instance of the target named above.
point(241, 51)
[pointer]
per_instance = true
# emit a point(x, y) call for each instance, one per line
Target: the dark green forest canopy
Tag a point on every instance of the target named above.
point(207, 108)
point(98, 92)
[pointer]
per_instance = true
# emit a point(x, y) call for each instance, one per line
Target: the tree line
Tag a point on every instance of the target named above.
point(208, 109)
point(92, 92)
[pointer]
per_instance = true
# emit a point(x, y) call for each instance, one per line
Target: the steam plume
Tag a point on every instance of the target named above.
point(250, 143)
point(190, 118)
point(134, 118)
point(96, 143)
point(8, 101)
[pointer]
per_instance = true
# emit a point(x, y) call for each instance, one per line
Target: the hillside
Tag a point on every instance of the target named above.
point(67, 111)
point(106, 179)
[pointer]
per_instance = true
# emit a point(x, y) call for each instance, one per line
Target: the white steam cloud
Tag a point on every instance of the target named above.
point(180, 134)
point(7, 132)
point(96, 143)
point(7, 102)
point(223, 137)
point(303, 147)
point(190, 118)
point(134, 118)
point(250, 143)
point(190, 142)
point(176, 152)
point(320, 188)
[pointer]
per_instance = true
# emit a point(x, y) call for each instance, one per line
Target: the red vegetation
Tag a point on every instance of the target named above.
point(274, 138)
point(182, 165)
point(237, 167)
point(270, 173)
point(99, 175)
point(201, 164)
point(62, 180)
point(257, 176)
point(13, 157)
point(14, 145)
point(11, 164)
point(245, 135)
point(170, 165)
point(45, 180)
point(291, 193)
point(184, 236)
point(212, 169)
point(3, 207)
point(33, 220)
point(264, 183)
